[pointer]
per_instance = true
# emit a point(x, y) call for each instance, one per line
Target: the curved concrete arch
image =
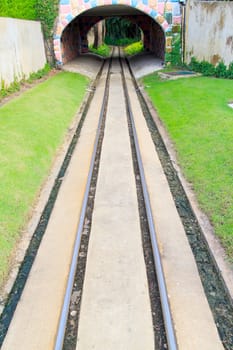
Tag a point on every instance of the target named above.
point(165, 13)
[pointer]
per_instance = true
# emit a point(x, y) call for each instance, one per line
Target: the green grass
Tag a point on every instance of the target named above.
point(32, 127)
point(196, 115)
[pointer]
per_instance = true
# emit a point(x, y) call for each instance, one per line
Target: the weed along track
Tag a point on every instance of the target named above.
point(114, 269)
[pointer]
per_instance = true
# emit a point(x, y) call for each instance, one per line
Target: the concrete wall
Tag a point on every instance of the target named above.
point(209, 31)
point(21, 49)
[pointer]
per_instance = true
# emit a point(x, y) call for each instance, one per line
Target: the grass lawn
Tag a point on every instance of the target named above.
point(32, 126)
point(200, 123)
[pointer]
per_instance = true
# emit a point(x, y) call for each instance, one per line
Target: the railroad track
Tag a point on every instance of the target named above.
point(120, 64)
point(119, 136)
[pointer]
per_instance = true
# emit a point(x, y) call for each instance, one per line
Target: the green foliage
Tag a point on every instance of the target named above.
point(3, 91)
point(208, 69)
point(16, 84)
point(174, 57)
point(134, 48)
point(24, 9)
point(194, 65)
point(7, 90)
point(120, 31)
point(40, 73)
point(230, 71)
point(46, 12)
point(120, 42)
point(102, 50)
point(221, 70)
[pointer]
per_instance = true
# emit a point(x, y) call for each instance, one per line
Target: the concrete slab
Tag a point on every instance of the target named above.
point(115, 307)
point(87, 64)
point(144, 64)
point(194, 325)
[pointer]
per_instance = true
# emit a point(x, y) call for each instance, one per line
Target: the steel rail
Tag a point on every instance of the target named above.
point(65, 308)
point(170, 333)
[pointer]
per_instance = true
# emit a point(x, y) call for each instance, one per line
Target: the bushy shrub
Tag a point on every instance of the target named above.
point(194, 65)
point(208, 69)
point(221, 70)
point(102, 50)
point(230, 71)
point(134, 48)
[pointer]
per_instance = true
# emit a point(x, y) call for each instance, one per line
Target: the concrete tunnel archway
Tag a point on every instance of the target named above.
point(76, 17)
point(74, 36)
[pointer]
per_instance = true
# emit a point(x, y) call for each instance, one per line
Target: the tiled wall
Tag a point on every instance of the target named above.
point(165, 13)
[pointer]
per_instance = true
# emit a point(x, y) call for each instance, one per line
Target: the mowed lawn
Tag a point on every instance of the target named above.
point(32, 127)
point(199, 121)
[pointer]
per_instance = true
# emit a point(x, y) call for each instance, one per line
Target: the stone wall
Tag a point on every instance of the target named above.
point(209, 31)
point(21, 49)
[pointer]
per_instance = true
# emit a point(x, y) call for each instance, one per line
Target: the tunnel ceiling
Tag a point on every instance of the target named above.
point(111, 10)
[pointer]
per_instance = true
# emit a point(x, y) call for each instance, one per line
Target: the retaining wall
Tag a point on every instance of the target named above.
point(209, 31)
point(21, 49)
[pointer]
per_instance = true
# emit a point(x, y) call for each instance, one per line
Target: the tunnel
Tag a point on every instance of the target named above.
point(156, 21)
point(74, 40)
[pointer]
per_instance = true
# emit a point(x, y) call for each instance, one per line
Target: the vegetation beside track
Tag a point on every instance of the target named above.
point(134, 48)
point(102, 50)
point(199, 121)
point(16, 85)
point(32, 127)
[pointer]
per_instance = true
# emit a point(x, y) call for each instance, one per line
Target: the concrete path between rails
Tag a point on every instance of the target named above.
point(115, 309)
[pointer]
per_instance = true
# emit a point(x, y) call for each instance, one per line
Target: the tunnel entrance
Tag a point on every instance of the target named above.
point(77, 17)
